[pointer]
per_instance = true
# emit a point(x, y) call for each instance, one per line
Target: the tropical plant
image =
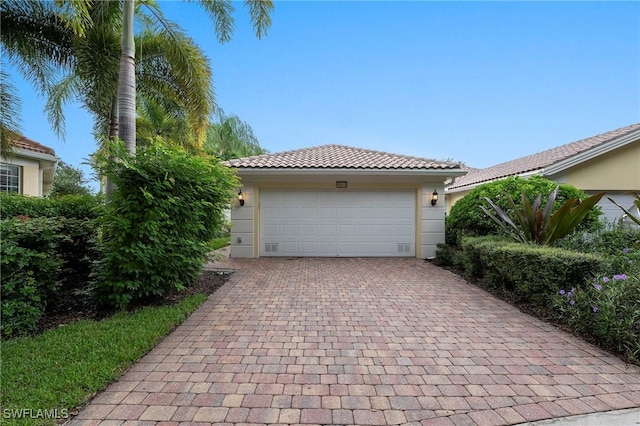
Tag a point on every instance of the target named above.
point(229, 137)
point(629, 215)
point(539, 225)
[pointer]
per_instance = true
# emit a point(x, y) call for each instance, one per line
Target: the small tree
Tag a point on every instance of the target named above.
point(68, 180)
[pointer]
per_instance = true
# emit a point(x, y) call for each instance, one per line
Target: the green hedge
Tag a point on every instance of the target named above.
point(526, 272)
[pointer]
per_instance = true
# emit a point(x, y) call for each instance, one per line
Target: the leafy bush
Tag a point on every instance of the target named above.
point(30, 267)
point(540, 225)
point(158, 223)
point(48, 252)
point(526, 272)
point(467, 218)
point(608, 310)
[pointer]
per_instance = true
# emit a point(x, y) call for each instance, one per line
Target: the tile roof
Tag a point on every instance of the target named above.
point(30, 145)
point(540, 160)
point(339, 157)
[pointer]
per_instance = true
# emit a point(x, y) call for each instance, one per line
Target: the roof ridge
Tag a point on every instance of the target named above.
point(339, 156)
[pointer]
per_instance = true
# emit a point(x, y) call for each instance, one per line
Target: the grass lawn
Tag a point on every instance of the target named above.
point(218, 243)
point(64, 367)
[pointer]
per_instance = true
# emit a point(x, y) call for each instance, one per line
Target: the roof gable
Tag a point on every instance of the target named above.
point(339, 157)
point(545, 159)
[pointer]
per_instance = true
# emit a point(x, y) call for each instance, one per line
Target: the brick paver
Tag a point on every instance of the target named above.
point(362, 341)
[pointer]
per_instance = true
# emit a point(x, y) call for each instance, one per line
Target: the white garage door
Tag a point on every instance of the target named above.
point(337, 223)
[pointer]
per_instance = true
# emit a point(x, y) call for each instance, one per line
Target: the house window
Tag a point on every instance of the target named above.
point(10, 178)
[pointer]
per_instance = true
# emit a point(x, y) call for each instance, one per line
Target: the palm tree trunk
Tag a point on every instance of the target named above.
point(108, 184)
point(127, 81)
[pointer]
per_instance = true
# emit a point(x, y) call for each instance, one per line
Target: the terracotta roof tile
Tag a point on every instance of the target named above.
point(540, 160)
point(30, 145)
point(339, 157)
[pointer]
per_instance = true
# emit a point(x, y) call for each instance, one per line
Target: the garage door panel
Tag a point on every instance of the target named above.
point(271, 212)
point(307, 230)
point(349, 229)
point(289, 230)
point(327, 230)
point(291, 213)
point(290, 248)
point(271, 231)
point(337, 223)
point(384, 230)
point(405, 231)
point(309, 213)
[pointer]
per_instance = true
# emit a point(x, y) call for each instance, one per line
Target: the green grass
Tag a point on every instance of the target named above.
point(64, 367)
point(218, 243)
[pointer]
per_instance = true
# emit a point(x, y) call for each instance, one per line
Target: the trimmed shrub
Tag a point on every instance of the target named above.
point(158, 223)
point(467, 218)
point(526, 272)
point(76, 217)
point(30, 267)
point(70, 206)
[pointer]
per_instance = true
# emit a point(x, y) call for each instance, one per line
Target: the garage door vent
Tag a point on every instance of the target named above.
point(404, 247)
point(270, 247)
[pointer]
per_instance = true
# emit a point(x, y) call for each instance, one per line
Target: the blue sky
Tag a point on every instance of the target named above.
point(479, 82)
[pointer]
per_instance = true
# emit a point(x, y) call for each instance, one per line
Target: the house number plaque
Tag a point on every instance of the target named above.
point(341, 184)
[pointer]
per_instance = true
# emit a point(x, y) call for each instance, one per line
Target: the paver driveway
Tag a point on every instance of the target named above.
point(366, 342)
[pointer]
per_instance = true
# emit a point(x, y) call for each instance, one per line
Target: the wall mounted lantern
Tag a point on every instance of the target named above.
point(240, 197)
point(434, 197)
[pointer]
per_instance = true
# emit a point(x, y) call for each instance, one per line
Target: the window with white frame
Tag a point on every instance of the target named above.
point(10, 178)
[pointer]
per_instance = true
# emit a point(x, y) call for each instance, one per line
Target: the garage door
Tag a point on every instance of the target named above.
point(337, 223)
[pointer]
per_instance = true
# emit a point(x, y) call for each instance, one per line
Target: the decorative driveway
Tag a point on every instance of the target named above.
point(365, 342)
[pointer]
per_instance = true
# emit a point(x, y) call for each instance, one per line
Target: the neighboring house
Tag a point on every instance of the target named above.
point(607, 162)
point(30, 170)
point(336, 200)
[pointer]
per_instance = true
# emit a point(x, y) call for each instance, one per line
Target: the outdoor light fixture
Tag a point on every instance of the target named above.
point(240, 197)
point(434, 197)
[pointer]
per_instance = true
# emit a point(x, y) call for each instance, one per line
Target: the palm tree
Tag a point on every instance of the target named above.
point(221, 14)
point(172, 71)
point(229, 137)
point(61, 25)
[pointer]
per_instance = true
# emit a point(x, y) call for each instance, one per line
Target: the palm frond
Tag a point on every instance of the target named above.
point(260, 13)
point(9, 115)
point(221, 13)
